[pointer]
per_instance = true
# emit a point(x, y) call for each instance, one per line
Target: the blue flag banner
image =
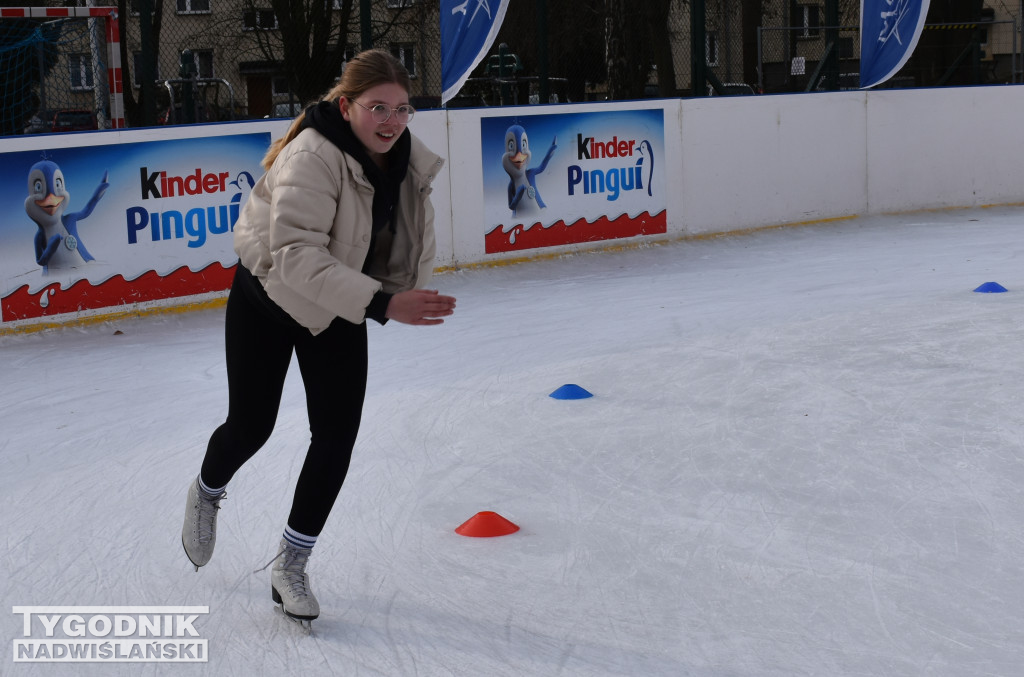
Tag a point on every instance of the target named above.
point(889, 31)
point(468, 27)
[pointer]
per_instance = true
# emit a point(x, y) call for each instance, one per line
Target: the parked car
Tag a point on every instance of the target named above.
point(74, 121)
point(40, 123)
point(49, 121)
point(732, 89)
point(285, 110)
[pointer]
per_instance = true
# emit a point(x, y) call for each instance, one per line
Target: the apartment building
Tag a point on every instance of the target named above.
point(236, 50)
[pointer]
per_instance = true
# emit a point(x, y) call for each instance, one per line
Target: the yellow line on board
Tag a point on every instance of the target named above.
point(114, 316)
point(758, 229)
point(620, 247)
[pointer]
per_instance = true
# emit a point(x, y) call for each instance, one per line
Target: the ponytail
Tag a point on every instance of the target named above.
point(279, 144)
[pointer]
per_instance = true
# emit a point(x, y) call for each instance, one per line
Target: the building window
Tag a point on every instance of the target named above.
point(845, 46)
point(204, 62)
point(193, 6)
point(137, 70)
point(404, 52)
point(259, 19)
point(808, 19)
point(80, 67)
point(279, 86)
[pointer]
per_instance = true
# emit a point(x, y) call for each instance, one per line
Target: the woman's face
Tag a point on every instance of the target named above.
point(376, 137)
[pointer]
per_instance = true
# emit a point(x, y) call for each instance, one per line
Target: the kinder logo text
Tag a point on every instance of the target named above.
point(110, 635)
point(611, 182)
point(159, 184)
point(196, 223)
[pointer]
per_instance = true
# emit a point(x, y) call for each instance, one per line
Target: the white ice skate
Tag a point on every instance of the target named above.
point(199, 533)
point(289, 584)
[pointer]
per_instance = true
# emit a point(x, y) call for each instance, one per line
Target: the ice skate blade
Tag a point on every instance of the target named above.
point(187, 555)
point(305, 624)
point(295, 617)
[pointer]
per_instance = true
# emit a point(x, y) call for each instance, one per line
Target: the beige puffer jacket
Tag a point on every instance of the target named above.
point(305, 232)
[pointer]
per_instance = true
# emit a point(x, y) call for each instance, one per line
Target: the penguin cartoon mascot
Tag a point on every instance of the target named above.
point(58, 245)
point(523, 196)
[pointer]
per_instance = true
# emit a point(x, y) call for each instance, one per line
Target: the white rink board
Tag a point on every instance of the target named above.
point(731, 164)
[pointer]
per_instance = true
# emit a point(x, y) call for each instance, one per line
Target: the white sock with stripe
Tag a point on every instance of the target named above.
point(299, 540)
point(208, 491)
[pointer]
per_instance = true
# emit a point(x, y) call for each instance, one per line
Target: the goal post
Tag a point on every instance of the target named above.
point(66, 60)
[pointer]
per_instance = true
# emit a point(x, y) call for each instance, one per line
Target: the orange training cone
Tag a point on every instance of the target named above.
point(485, 525)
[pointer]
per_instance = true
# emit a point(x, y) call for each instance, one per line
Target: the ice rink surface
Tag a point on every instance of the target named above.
point(804, 456)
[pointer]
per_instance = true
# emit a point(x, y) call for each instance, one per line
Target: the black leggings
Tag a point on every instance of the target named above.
point(260, 338)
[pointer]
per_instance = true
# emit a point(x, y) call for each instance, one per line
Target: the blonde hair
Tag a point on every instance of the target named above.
point(364, 71)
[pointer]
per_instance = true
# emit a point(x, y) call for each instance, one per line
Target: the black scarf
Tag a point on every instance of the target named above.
point(325, 117)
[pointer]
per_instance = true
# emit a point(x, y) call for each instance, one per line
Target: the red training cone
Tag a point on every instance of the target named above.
point(485, 525)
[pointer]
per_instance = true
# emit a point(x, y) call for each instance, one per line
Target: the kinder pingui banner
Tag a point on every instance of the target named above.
point(552, 180)
point(100, 226)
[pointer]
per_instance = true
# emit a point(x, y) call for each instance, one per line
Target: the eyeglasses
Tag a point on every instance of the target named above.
point(381, 113)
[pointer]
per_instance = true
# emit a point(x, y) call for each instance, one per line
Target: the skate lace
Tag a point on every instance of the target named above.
point(208, 508)
point(294, 567)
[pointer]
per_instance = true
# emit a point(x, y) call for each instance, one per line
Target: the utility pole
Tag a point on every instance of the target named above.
point(100, 101)
point(698, 49)
point(832, 42)
point(147, 76)
point(543, 89)
point(750, 22)
point(365, 32)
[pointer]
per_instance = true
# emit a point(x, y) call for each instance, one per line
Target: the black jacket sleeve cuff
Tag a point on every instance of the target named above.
point(378, 307)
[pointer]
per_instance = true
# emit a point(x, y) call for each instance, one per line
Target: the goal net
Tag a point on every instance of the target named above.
point(59, 70)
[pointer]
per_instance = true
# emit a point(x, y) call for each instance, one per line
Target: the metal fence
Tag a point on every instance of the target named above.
point(213, 60)
point(227, 60)
point(186, 61)
point(828, 58)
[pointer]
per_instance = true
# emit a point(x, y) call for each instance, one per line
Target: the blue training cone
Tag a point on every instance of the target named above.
point(571, 391)
point(991, 288)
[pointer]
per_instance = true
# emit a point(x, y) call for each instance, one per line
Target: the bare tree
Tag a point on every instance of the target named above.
point(659, 39)
point(134, 109)
point(575, 45)
point(752, 19)
point(309, 44)
point(628, 67)
point(637, 40)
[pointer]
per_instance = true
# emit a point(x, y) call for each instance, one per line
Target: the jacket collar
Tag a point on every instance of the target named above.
point(424, 164)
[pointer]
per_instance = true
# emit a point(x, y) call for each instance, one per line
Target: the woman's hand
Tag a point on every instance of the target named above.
point(420, 306)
